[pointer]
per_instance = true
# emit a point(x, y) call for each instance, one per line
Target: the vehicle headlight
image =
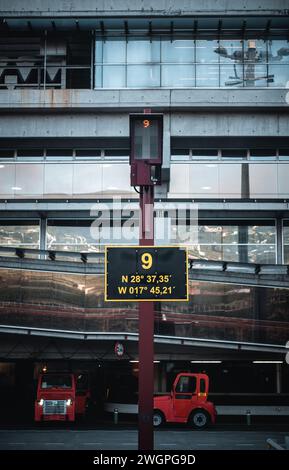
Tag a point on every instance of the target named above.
point(69, 402)
point(41, 402)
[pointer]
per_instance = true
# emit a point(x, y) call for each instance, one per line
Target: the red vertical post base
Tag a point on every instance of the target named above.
point(146, 375)
point(146, 333)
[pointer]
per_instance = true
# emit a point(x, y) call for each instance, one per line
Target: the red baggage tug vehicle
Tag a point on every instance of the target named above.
point(187, 402)
point(58, 398)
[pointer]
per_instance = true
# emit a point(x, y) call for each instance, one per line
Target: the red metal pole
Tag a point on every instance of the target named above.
point(146, 332)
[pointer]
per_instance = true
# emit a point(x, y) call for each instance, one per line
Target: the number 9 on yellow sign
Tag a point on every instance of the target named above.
point(146, 260)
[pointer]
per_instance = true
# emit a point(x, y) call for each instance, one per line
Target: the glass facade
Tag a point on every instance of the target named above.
point(75, 302)
point(147, 62)
point(19, 233)
point(209, 179)
point(234, 173)
point(229, 179)
point(64, 179)
point(70, 235)
point(86, 235)
point(236, 241)
point(231, 240)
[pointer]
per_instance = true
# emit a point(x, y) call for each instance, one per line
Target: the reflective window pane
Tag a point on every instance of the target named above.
point(178, 51)
point(207, 75)
point(255, 75)
point(58, 180)
point(22, 234)
point(98, 51)
point(71, 235)
point(140, 51)
point(263, 180)
point(262, 234)
point(204, 179)
point(116, 179)
point(178, 75)
point(278, 51)
point(230, 51)
point(279, 75)
point(179, 183)
point(207, 51)
point(98, 83)
point(283, 178)
point(114, 51)
point(7, 179)
point(143, 75)
point(25, 174)
point(265, 254)
point(286, 254)
point(255, 51)
point(113, 76)
point(230, 181)
point(87, 179)
point(236, 242)
point(231, 76)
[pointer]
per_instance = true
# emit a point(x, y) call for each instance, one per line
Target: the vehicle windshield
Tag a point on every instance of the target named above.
point(56, 381)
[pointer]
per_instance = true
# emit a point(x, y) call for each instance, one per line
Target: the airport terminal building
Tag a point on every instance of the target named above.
point(70, 75)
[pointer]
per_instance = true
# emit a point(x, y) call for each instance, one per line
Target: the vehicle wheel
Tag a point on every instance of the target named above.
point(199, 419)
point(158, 419)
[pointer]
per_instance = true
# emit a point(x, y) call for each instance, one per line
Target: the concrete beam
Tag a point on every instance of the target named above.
point(163, 343)
point(116, 124)
point(136, 100)
point(15, 346)
point(116, 8)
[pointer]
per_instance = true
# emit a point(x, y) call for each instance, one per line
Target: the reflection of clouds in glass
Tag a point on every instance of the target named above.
point(248, 59)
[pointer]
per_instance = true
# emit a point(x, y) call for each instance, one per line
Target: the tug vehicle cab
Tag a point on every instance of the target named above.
point(187, 402)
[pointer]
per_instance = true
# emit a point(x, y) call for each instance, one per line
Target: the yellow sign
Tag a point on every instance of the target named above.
point(146, 273)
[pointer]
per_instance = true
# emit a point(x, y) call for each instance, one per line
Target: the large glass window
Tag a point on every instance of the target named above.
point(236, 241)
point(278, 62)
point(64, 179)
point(178, 75)
point(89, 235)
point(178, 51)
point(185, 62)
point(207, 51)
point(262, 243)
point(145, 76)
point(229, 173)
point(143, 51)
point(71, 235)
point(19, 233)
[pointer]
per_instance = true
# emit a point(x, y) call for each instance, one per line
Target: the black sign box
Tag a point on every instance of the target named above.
point(140, 273)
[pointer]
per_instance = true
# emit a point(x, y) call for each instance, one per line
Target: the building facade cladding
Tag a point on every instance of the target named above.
point(218, 74)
